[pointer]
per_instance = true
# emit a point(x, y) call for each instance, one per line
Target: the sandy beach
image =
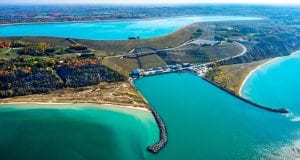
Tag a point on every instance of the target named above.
point(66, 105)
point(250, 73)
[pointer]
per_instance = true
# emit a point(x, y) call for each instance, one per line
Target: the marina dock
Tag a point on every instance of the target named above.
point(199, 69)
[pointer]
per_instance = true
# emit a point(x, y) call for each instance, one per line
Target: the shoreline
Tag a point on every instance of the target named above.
point(251, 72)
point(132, 19)
point(258, 67)
point(53, 103)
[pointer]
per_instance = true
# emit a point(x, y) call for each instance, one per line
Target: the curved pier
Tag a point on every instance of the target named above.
point(276, 110)
point(155, 148)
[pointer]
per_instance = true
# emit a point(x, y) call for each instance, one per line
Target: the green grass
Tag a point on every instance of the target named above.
point(7, 53)
point(151, 61)
point(232, 76)
point(198, 54)
point(122, 66)
point(125, 65)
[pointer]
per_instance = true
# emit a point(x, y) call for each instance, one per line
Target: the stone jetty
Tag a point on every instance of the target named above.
point(163, 138)
point(276, 110)
point(155, 148)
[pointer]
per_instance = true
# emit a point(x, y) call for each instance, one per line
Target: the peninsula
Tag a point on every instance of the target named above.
point(80, 67)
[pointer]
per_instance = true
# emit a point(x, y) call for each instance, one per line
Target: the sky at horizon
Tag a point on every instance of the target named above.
point(279, 2)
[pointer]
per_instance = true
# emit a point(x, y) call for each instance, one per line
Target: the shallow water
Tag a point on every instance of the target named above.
point(111, 30)
point(277, 84)
point(84, 131)
point(203, 122)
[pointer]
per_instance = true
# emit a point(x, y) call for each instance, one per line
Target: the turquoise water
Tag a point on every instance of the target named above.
point(111, 30)
point(277, 84)
point(204, 122)
point(82, 132)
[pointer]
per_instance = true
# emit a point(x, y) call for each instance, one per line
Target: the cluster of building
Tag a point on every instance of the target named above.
point(29, 14)
point(199, 69)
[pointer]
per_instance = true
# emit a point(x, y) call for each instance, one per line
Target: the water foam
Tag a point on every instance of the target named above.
point(289, 151)
point(296, 119)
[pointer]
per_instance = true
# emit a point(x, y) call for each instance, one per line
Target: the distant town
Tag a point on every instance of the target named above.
point(61, 13)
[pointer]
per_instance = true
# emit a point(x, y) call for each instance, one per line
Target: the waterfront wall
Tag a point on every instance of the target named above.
point(279, 110)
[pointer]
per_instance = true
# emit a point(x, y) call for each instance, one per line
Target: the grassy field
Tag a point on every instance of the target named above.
point(121, 65)
point(197, 54)
point(232, 76)
point(151, 61)
point(125, 65)
point(7, 53)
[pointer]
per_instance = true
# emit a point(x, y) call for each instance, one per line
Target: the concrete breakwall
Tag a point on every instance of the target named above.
point(276, 110)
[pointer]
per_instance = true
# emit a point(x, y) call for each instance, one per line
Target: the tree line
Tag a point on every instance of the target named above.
point(24, 76)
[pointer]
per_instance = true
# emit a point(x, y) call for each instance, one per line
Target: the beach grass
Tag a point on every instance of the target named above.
point(121, 93)
point(233, 76)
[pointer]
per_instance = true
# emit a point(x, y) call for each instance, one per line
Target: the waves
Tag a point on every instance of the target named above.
point(295, 119)
point(292, 117)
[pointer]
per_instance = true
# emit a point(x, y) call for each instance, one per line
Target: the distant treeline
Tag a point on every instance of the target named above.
point(46, 49)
